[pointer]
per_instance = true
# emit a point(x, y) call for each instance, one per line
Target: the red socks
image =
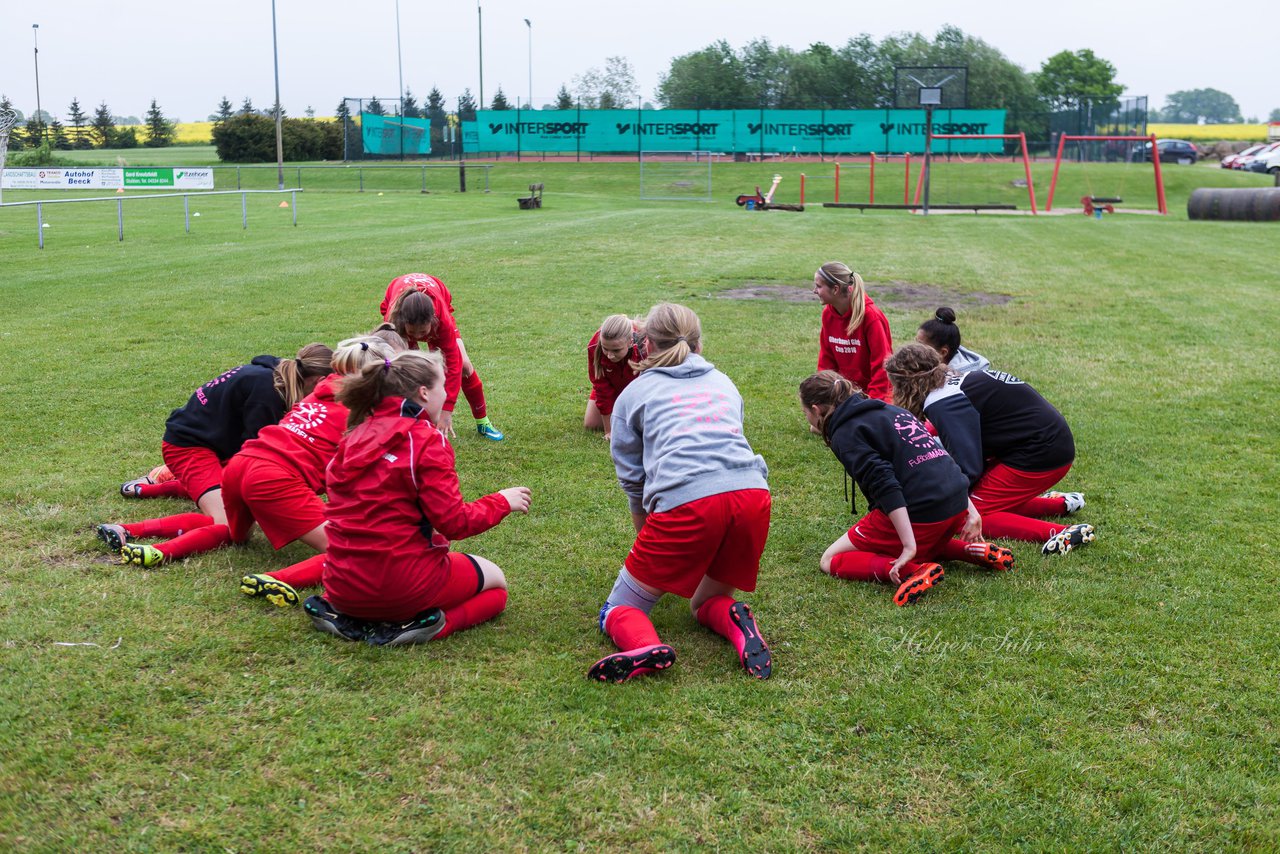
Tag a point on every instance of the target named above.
point(473, 390)
point(861, 566)
point(302, 574)
point(985, 555)
point(481, 608)
point(630, 628)
point(714, 614)
point(168, 489)
point(1041, 506)
point(204, 539)
point(167, 526)
point(1015, 527)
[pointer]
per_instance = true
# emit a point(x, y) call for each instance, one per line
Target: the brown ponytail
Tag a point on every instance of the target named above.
point(290, 375)
point(398, 376)
point(915, 370)
point(827, 390)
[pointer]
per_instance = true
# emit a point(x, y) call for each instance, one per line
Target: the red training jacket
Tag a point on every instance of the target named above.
point(859, 356)
point(307, 437)
point(394, 505)
point(444, 338)
point(614, 376)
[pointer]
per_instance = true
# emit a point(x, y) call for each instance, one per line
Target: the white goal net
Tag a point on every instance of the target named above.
point(676, 175)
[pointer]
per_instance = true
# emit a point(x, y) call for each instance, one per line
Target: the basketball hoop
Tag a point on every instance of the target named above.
point(8, 119)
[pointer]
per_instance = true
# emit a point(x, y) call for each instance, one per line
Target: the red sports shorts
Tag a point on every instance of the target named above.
point(875, 533)
point(463, 580)
point(1003, 487)
point(273, 495)
point(720, 537)
point(199, 469)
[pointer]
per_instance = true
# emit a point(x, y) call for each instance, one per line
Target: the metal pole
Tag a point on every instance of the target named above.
point(480, 26)
point(400, 67)
point(529, 24)
point(244, 211)
point(40, 223)
point(928, 142)
point(186, 212)
point(35, 37)
point(275, 56)
point(424, 179)
point(294, 206)
point(120, 218)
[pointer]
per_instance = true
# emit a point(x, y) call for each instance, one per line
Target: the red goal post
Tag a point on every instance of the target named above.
point(1022, 144)
point(1155, 161)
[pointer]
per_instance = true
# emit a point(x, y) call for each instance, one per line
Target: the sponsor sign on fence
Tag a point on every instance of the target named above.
point(178, 178)
point(729, 131)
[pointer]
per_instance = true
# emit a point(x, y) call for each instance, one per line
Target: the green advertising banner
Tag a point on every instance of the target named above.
point(728, 131)
point(392, 135)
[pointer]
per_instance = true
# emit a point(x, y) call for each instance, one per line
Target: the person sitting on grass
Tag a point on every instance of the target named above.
point(394, 505)
point(699, 502)
point(1009, 441)
point(201, 437)
point(439, 331)
point(920, 511)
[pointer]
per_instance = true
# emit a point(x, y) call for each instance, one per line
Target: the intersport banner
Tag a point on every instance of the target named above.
point(178, 178)
point(729, 131)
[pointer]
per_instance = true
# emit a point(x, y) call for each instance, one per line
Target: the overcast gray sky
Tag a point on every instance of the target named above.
point(188, 55)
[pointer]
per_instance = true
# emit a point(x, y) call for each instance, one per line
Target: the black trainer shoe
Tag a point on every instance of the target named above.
point(325, 619)
point(114, 536)
point(756, 659)
point(1068, 539)
point(420, 629)
point(621, 666)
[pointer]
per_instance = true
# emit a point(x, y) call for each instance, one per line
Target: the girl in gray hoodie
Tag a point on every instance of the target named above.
point(698, 499)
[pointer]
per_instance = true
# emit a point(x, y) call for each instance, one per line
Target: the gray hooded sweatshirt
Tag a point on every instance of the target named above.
point(677, 437)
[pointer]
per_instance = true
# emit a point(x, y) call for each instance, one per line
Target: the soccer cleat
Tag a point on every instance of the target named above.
point(133, 488)
point(276, 592)
point(488, 431)
point(997, 557)
point(114, 536)
point(420, 629)
point(1067, 539)
point(756, 658)
point(917, 585)
point(1073, 500)
point(621, 666)
point(141, 554)
point(325, 619)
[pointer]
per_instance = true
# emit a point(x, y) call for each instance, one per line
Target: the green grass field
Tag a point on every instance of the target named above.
point(1122, 697)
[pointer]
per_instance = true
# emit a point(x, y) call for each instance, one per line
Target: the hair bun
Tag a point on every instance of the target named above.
point(945, 314)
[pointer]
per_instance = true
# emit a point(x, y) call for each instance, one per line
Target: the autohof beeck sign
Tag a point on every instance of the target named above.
point(176, 178)
point(778, 131)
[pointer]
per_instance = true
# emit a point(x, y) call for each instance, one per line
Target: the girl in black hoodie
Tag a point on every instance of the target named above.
point(917, 494)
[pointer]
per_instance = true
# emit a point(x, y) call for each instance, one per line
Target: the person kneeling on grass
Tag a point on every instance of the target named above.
point(917, 494)
point(699, 502)
point(201, 437)
point(1009, 441)
point(394, 504)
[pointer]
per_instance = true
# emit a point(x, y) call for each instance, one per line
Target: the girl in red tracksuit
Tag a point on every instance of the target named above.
point(202, 436)
point(1010, 442)
point(617, 345)
point(275, 478)
point(854, 340)
point(917, 494)
point(440, 333)
point(699, 501)
point(394, 505)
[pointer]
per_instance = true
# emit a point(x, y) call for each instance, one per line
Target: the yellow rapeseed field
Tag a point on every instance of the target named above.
point(1210, 133)
point(199, 132)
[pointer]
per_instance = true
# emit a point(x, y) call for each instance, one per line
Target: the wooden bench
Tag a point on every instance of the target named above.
point(533, 200)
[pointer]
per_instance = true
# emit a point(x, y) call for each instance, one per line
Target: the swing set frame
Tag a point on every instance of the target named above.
point(1089, 201)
